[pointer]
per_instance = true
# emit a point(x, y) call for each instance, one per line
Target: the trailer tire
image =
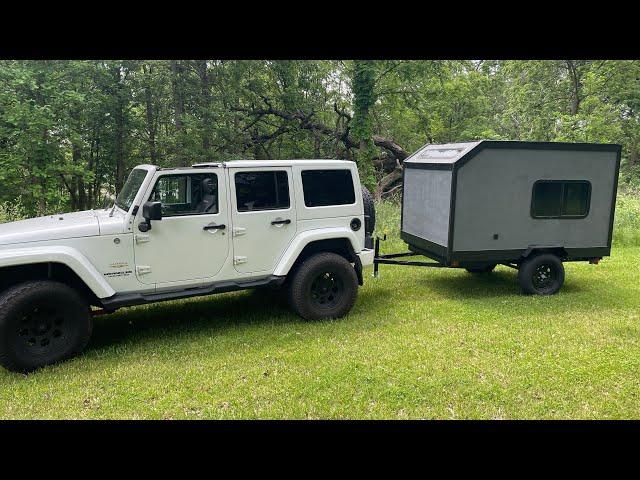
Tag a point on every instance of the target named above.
point(324, 286)
point(41, 322)
point(541, 274)
point(369, 211)
point(486, 269)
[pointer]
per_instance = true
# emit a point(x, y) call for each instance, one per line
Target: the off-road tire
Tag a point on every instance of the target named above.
point(369, 211)
point(324, 286)
point(41, 322)
point(485, 269)
point(541, 275)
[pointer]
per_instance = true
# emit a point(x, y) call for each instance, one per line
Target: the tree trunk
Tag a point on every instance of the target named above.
point(178, 107)
point(90, 168)
point(362, 124)
point(632, 161)
point(205, 94)
point(96, 178)
point(151, 125)
point(178, 100)
point(576, 85)
point(77, 183)
point(119, 143)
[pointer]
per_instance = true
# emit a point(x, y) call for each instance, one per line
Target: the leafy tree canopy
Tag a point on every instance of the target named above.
point(71, 130)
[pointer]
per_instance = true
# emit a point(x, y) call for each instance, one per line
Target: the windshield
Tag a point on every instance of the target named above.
point(130, 189)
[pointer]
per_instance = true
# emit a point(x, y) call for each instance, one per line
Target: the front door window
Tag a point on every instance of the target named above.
point(192, 194)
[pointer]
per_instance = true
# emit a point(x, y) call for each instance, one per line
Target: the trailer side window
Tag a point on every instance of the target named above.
point(560, 199)
point(328, 187)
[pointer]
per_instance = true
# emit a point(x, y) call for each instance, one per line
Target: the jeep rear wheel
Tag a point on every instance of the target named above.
point(324, 286)
point(41, 322)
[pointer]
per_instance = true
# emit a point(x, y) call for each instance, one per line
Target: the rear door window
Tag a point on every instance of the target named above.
point(328, 187)
point(257, 191)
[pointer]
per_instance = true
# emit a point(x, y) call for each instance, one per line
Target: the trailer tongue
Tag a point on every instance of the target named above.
point(390, 259)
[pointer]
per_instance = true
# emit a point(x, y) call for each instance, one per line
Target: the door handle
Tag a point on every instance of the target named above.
point(281, 222)
point(214, 227)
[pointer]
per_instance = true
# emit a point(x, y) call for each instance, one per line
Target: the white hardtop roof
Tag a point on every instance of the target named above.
point(442, 153)
point(272, 163)
point(286, 163)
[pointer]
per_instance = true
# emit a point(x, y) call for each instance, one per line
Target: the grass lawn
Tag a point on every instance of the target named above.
point(420, 343)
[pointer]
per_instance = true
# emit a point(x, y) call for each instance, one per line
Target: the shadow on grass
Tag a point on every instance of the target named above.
point(212, 314)
point(464, 285)
point(576, 294)
point(500, 283)
point(218, 313)
point(205, 314)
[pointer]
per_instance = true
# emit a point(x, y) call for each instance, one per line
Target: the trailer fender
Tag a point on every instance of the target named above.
point(555, 249)
point(68, 256)
point(304, 238)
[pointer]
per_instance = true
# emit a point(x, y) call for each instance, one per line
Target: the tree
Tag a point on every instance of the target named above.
point(70, 131)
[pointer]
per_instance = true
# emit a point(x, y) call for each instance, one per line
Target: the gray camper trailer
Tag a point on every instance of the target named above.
point(527, 205)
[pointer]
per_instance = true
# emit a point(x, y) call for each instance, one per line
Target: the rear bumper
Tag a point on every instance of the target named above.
point(366, 256)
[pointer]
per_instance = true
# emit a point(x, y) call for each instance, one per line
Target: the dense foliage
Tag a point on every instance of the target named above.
point(71, 130)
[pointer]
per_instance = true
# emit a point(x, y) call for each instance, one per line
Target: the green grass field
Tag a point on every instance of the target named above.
point(420, 343)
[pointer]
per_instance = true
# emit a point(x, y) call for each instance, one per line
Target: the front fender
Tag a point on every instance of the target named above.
point(308, 236)
point(68, 256)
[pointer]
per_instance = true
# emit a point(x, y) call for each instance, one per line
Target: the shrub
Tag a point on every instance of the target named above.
point(10, 212)
point(626, 230)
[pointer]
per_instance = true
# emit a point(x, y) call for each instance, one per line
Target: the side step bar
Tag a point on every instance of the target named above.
point(120, 300)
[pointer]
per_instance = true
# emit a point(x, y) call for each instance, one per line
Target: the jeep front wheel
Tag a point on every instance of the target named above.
point(41, 322)
point(324, 286)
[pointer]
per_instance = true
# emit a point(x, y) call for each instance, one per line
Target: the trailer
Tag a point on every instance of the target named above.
point(527, 205)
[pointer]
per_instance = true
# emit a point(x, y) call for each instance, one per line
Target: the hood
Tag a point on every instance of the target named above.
point(52, 227)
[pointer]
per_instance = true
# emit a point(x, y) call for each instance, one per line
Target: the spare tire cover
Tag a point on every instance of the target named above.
point(369, 211)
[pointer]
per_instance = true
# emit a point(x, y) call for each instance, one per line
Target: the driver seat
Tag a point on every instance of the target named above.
point(208, 202)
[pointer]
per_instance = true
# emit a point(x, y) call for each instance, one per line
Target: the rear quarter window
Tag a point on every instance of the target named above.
point(328, 187)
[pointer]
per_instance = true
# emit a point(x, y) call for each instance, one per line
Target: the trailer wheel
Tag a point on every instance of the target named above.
point(324, 286)
point(485, 269)
point(41, 322)
point(369, 211)
point(541, 275)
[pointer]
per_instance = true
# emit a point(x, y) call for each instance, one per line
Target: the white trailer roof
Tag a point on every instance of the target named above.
point(445, 153)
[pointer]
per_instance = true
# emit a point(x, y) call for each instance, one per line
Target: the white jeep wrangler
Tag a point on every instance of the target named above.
point(301, 226)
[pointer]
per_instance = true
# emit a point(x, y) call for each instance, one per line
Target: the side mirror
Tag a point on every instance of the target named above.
point(150, 211)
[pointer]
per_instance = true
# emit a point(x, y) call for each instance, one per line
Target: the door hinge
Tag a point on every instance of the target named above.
point(142, 239)
point(237, 231)
point(239, 260)
point(142, 269)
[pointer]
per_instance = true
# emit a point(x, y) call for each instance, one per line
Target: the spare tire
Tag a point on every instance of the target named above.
point(369, 211)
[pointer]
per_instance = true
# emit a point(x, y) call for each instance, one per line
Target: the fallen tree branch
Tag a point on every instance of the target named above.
point(392, 163)
point(306, 122)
